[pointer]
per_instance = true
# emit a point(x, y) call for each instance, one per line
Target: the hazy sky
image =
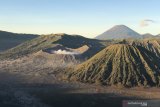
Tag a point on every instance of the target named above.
point(85, 17)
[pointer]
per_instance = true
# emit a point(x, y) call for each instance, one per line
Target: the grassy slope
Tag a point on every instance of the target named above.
point(9, 40)
point(48, 41)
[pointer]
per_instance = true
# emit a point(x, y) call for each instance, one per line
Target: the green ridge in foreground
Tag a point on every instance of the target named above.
point(120, 64)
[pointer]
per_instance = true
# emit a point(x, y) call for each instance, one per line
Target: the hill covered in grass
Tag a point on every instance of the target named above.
point(9, 40)
point(44, 42)
point(120, 64)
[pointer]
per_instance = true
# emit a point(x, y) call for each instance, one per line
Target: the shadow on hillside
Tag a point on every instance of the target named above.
point(78, 41)
point(10, 40)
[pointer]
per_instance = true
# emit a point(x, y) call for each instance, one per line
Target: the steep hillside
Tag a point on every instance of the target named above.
point(9, 40)
point(152, 45)
point(120, 64)
point(119, 32)
point(50, 41)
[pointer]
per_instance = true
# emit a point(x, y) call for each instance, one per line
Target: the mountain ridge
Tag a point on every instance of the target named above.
point(49, 41)
point(9, 40)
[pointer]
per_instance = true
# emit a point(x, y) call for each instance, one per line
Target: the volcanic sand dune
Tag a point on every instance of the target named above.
point(120, 64)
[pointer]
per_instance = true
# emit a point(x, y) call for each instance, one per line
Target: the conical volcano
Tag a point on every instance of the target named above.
point(120, 64)
point(119, 32)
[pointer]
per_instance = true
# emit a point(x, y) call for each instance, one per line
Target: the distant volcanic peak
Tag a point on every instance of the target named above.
point(120, 26)
point(119, 32)
point(120, 64)
point(148, 34)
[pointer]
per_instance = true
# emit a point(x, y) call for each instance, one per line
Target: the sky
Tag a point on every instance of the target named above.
point(84, 17)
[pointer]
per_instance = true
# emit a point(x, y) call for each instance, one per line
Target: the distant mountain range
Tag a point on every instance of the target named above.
point(148, 35)
point(9, 40)
point(130, 62)
point(123, 32)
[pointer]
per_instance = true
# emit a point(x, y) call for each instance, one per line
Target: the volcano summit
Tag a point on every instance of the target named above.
point(119, 32)
point(120, 64)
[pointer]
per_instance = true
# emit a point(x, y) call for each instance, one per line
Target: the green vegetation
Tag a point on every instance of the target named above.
point(48, 41)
